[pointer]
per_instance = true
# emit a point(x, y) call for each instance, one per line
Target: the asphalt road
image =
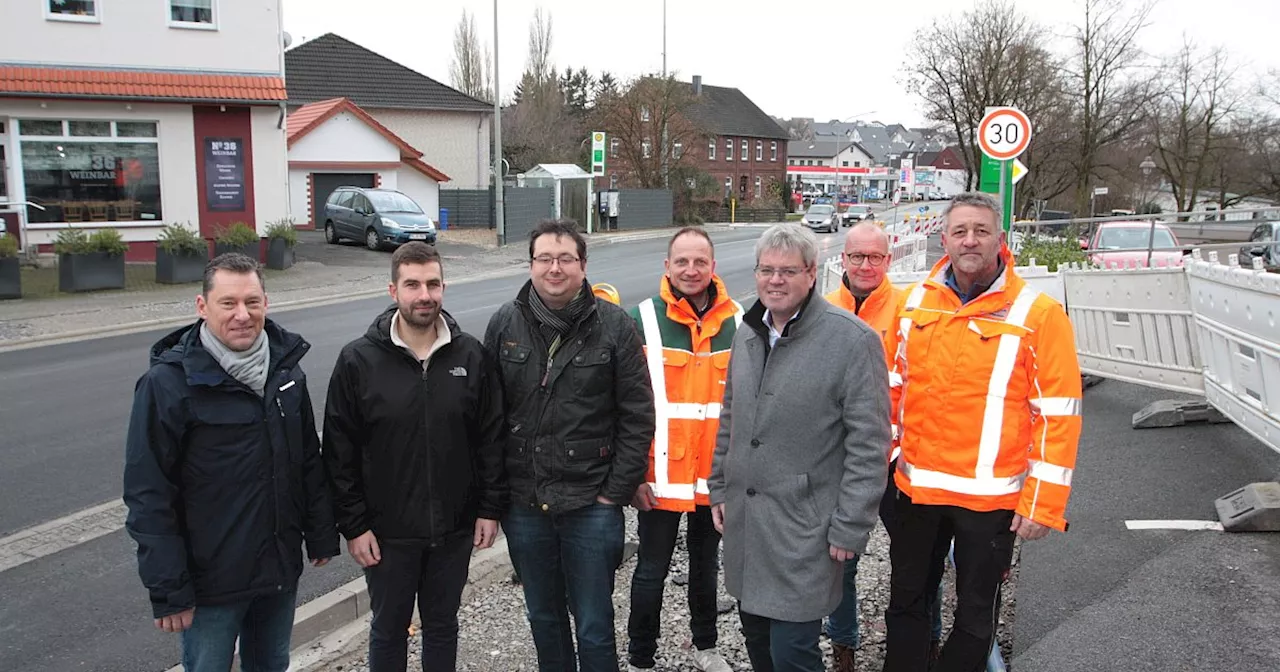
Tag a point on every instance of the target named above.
point(65, 415)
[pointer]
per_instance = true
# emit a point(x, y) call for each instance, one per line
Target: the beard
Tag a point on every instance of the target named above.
point(420, 315)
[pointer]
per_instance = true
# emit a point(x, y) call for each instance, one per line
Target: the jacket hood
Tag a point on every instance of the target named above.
point(380, 329)
point(1009, 280)
point(718, 292)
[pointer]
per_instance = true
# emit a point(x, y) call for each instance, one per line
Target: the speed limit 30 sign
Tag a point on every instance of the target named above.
point(1004, 133)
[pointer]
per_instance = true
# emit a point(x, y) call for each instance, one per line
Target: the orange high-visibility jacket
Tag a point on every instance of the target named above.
point(687, 368)
point(879, 311)
point(989, 408)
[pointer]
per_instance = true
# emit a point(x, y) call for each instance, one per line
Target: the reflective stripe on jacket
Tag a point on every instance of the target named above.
point(688, 373)
point(989, 407)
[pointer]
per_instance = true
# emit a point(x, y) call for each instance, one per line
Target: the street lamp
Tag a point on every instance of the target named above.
point(498, 209)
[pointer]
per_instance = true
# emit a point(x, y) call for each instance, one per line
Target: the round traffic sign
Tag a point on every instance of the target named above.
point(1004, 133)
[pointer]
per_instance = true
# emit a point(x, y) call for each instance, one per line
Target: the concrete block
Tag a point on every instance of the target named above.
point(1176, 413)
point(1253, 508)
point(629, 550)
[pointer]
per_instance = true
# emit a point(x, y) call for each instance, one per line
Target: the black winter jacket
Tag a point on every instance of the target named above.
point(579, 426)
point(414, 454)
point(223, 486)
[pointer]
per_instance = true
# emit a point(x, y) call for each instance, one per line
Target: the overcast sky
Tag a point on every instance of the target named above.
point(827, 59)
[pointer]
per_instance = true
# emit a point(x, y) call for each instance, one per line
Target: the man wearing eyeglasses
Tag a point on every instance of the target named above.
point(800, 463)
point(580, 417)
point(865, 291)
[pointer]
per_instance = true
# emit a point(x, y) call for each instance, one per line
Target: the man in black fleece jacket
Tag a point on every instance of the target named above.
point(413, 441)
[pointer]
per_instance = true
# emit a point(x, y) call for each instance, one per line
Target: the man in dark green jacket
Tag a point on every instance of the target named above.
point(580, 418)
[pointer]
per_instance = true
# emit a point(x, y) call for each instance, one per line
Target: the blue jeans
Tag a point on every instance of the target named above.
point(781, 646)
point(263, 625)
point(566, 562)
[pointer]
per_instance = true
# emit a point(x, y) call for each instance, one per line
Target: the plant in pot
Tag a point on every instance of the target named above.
point(180, 255)
point(237, 238)
point(281, 239)
point(10, 271)
point(89, 262)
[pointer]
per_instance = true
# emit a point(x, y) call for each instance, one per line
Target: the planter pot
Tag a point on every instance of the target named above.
point(175, 269)
point(10, 279)
point(251, 250)
point(87, 272)
point(279, 254)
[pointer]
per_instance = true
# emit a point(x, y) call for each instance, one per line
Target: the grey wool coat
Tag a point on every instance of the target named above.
point(801, 458)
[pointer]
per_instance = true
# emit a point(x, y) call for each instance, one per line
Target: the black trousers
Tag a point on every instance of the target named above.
point(658, 532)
point(435, 575)
point(983, 551)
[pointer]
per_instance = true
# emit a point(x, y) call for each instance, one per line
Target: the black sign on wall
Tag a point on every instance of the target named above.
point(224, 174)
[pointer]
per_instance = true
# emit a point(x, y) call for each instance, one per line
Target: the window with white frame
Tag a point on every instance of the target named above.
point(773, 151)
point(90, 170)
point(646, 148)
point(759, 187)
point(728, 149)
point(613, 148)
point(711, 149)
point(744, 149)
point(192, 13)
point(759, 150)
point(644, 113)
point(728, 186)
point(72, 10)
point(677, 150)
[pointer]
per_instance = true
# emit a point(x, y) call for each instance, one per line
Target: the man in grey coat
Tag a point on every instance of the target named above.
point(800, 461)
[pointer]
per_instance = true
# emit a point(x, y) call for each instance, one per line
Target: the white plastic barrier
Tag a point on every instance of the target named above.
point(1237, 313)
point(910, 253)
point(1135, 326)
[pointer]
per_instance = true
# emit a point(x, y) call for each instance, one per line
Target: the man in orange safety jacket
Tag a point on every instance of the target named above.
point(989, 419)
point(865, 291)
point(687, 329)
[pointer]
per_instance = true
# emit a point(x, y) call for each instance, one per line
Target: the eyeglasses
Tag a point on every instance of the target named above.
point(547, 260)
point(787, 273)
point(856, 259)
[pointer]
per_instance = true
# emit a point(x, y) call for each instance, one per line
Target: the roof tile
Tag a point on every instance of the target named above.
point(56, 82)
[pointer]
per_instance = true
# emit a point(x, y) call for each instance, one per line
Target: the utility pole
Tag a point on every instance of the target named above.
point(498, 209)
point(666, 149)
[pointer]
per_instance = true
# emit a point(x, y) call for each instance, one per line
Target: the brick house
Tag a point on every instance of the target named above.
point(948, 159)
point(740, 146)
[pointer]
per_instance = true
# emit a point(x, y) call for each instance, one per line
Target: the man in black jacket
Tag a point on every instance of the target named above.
point(413, 442)
point(580, 418)
point(223, 477)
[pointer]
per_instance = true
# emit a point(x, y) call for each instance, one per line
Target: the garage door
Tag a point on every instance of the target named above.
point(323, 184)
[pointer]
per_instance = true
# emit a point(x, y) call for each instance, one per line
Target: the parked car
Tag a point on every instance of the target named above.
point(1263, 243)
point(1129, 240)
point(378, 217)
point(856, 213)
point(822, 216)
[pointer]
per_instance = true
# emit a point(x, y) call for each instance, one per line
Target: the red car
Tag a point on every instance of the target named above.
point(1129, 241)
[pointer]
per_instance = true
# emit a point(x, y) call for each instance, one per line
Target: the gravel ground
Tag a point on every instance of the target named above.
point(495, 636)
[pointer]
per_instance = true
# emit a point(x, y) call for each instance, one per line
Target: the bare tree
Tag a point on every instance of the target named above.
point(470, 72)
point(1111, 95)
point(635, 119)
point(539, 65)
point(987, 57)
point(1190, 116)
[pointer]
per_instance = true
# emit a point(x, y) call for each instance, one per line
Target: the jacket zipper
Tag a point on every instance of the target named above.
point(426, 425)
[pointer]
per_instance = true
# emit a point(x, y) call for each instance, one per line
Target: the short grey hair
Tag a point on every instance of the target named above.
point(973, 199)
point(789, 238)
point(231, 262)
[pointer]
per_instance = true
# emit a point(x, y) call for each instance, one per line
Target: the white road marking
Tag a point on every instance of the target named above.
point(48, 538)
point(1209, 525)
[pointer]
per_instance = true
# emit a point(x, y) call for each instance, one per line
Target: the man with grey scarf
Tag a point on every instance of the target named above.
point(580, 418)
point(223, 477)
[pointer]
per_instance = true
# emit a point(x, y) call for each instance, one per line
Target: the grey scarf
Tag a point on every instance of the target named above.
point(248, 367)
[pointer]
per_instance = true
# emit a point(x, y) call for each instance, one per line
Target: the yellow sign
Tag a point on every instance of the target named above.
point(1019, 171)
